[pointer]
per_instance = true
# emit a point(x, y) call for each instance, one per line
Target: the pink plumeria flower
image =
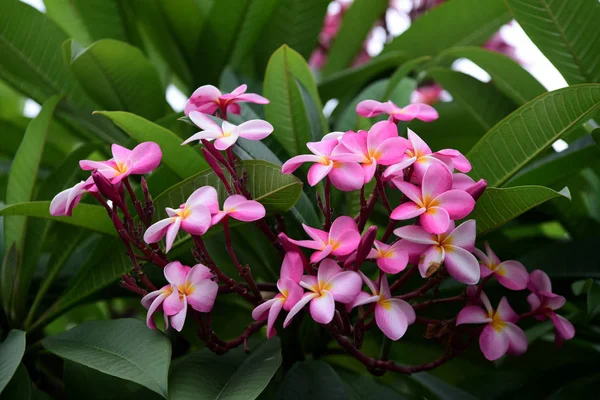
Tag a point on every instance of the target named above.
point(227, 134)
point(452, 248)
point(289, 294)
point(545, 302)
point(341, 240)
point(393, 316)
point(331, 284)
point(143, 159)
point(420, 156)
point(64, 202)
point(192, 286)
point(194, 217)
point(207, 99)
point(346, 176)
point(429, 94)
point(392, 258)
point(372, 108)
point(380, 146)
point(501, 335)
point(466, 183)
point(240, 208)
point(510, 274)
point(435, 202)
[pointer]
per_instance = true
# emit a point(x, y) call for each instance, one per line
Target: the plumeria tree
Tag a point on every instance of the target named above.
point(334, 228)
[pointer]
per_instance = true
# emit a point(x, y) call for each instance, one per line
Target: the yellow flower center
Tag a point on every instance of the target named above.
point(121, 168)
point(184, 212)
point(186, 289)
point(497, 322)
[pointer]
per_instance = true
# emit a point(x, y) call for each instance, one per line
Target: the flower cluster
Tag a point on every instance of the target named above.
point(353, 278)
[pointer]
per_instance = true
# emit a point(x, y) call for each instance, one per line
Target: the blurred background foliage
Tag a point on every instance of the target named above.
point(123, 56)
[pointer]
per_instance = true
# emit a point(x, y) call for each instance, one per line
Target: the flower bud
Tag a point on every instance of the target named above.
point(477, 189)
point(107, 189)
point(365, 246)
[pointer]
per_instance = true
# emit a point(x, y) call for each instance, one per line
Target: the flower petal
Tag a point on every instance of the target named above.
point(247, 210)
point(255, 129)
point(459, 161)
point(292, 267)
point(418, 144)
point(158, 230)
point(380, 132)
point(345, 286)
point(204, 295)
point(421, 111)
point(407, 211)
point(416, 234)
point(323, 148)
point(436, 181)
point(172, 303)
point(346, 176)
point(512, 275)
point(394, 264)
point(157, 301)
point(472, 315)
point(431, 261)
point(293, 163)
point(391, 151)
point(178, 319)
point(463, 236)
point(411, 191)
point(299, 305)
point(517, 340)
point(539, 282)
point(176, 273)
point(369, 108)
point(321, 254)
point(252, 98)
point(198, 222)
point(223, 143)
point(202, 96)
point(198, 273)
point(506, 312)
point(563, 327)
point(273, 314)
point(145, 158)
point(328, 269)
point(457, 203)
point(493, 343)
point(322, 308)
point(317, 172)
point(204, 122)
point(206, 196)
point(435, 220)
point(462, 265)
point(260, 312)
point(390, 319)
point(172, 232)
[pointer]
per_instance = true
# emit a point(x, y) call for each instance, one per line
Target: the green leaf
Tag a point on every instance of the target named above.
point(118, 76)
point(593, 300)
point(11, 103)
point(498, 206)
point(558, 166)
point(125, 348)
point(19, 387)
point(481, 100)
point(349, 120)
point(525, 133)
point(452, 24)
point(349, 81)
point(507, 75)
point(233, 376)
point(24, 170)
point(286, 110)
point(312, 380)
point(183, 160)
point(11, 353)
point(359, 387)
point(84, 215)
point(401, 72)
point(357, 22)
point(294, 23)
point(87, 21)
point(565, 32)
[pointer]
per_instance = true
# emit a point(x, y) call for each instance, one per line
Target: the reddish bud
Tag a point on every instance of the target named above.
point(477, 189)
point(107, 189)
point(365, 246)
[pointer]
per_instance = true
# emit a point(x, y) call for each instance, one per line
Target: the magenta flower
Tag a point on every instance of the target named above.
point(545, 303)
point(227, 134)
point(187, 285)
point(207, 99)
point(194, 217)
point(393, 316)
point(420, 156)
point(346, 176)
point(429, 94)
point(240, 208)
point(144, 158)
point(452, 248)
point(435, 201)
point(392, 258)
point(510, 274)
point(289, 294)
point(330, 285)
point(380, 146)
point(64, 202)
point(372, 108)
point(341, 240)
point(501, 335)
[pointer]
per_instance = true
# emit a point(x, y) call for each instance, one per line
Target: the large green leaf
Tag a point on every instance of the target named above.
point(558, 166)
point(348, 119)
point(88, 20)
point(84, 215)
point(358, 20)
point(287, 110)
point(234, 376)
point(19, 387)
point(566, 32)
point(401, 72)
point(482, 100)
point(118, 76)
point(125, 348)
point(11, 352)
point(312, 380)
point(454, 23)
point(11, 102)
point(498, 206)
point(507, 75)
point(525, 133)
point(24, 170)
point(350, 80)
point(183, 160)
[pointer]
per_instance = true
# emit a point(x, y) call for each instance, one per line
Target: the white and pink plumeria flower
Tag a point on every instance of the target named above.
point(289, 294)
point(144, 158)
point(545, 302)
point(381, 145)
point(390, 258)
point(393, 316)
point(452, 248)
point(208, 99)
point(227, 134)
point(510, 274)
point(501, 335)
point(435, 202)
point(373, 108)
point(187, 286)
point(344, 175)
point(341, 240)
point(331, 284)
point(238, 207)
